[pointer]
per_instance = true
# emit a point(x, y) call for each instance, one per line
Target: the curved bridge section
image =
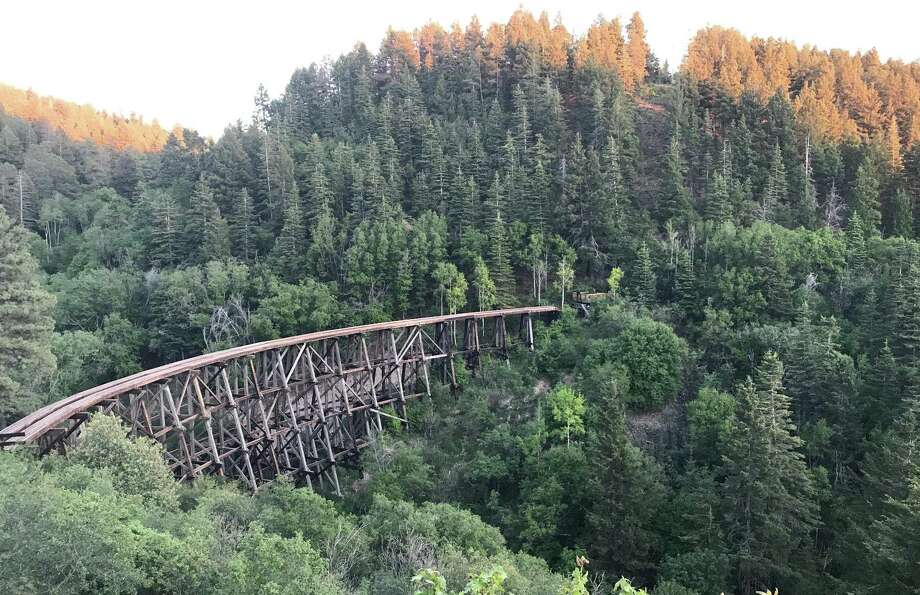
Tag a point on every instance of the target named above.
point(299, 406)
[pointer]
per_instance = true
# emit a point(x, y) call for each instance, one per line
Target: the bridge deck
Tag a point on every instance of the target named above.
point(317, 379)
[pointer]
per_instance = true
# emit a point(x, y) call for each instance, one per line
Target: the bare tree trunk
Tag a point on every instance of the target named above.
point(534, 269)
point(22, 222)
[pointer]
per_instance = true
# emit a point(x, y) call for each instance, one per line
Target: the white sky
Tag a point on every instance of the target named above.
point(199, 62)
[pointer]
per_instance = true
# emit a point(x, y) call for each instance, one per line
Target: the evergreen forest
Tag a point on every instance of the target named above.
point(740, 414)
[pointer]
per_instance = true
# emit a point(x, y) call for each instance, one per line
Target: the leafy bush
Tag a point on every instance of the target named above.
point(652, 356)
point(136, 465)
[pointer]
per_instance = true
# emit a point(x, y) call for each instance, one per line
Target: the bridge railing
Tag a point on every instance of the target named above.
point(300, 405)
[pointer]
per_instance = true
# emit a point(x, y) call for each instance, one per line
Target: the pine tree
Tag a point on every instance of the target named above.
point(26, 361)
point(165, 230)
point(323, 254)
point(476, 159)
point(742, 144)
point(636, 49)
point(644, 276)
point(599, 125)
point(675, 201)
point(243, 228)
point(421, 195)
point(891, 517)
point(495, 201)
point(821, 380)
point(571, 209)
point(864, 198)
point(893, 145)
point(685, 286)
point(883, 388)
point(433, 164)
point(894, 541)
point(427, 246)
point(513, 179)
point(552, 121)
point(627, 490)
point(776, 192)
point(718, 207)
point(289, 246)
point(520, 121)
point(320, 195)
point(900, 220)
point(768, 494)
point(808, 200)
point(461, 211)
point(893, 456)
point(206, 234)
point(907, 317)
point(775, 283)
point(612, 192)
point(539, 181)
point(500, 262)
point(402, 289)
point(372, 198)
point(856, 245)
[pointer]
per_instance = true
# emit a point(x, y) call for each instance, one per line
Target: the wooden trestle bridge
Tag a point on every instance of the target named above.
point(299, 406)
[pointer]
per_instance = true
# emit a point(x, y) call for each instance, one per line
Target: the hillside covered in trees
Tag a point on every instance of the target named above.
point(82, 122)
point(740, 414)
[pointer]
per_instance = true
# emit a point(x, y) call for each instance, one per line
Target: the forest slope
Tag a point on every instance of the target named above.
point(82, 122)
point(755, 217)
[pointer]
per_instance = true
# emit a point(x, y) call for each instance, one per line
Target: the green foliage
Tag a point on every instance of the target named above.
point(625, 587)
point(560, 345)
point(702, 571)
point(451, 286)
point(428, 581)
point(776, 191)
point(613, 280)
point(675, 200)
point(289, 247)
point(894, 540)
point(772, 505)
point(566, 409)
point(483, 284)
point(644, 277)
point(26, 361)
point(565, 274)
point(289, 310)
point(627, 490)
point(477, 168)
point(441, 525)
point(86, 359)
point(400, 472)
point(653, 358)
point(206, 234)
point(271, 564)
point(136, 466)
point(578, 584)
point(710, 421)
point(54, 539)
point(500, 261)
point(487, 583)
point(865, 200)
point(672, 588)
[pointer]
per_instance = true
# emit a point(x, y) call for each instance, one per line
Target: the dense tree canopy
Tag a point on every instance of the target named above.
point(739, 413)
